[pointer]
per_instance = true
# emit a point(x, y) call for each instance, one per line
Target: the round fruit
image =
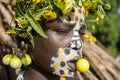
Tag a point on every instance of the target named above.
point(85, 36)
point(102, 16)
point(15, 62)
point(82, 65)
point(90, 39)
point(26, 60)
point(6, 59)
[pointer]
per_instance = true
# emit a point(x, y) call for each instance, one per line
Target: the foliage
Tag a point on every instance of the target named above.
point(108, 30)
point(32, 12)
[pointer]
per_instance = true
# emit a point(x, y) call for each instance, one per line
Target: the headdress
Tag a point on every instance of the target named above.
point(32, 12)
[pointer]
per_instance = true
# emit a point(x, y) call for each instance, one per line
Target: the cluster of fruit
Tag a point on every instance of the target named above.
point(16, 62)
point(88, 38)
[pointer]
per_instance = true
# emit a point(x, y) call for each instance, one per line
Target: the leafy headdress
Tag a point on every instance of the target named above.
point(32, 12)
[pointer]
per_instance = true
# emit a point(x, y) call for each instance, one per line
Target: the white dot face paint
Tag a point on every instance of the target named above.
point(76, 42)
point(63, 62)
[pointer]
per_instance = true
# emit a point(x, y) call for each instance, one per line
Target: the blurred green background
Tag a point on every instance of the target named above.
point(108, 31)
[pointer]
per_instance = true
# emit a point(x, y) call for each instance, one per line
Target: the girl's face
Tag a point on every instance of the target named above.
point(59, 35)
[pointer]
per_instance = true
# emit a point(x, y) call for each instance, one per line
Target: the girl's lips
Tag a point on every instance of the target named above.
point(71, 63)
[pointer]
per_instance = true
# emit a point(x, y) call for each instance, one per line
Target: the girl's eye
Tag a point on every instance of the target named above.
point(62, 31)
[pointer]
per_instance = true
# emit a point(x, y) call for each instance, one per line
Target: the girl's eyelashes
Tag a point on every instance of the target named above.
point(65, 30)
point(62, 30)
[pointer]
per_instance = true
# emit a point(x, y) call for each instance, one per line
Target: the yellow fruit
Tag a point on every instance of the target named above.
point(26, 60)
point(101, 16)
point(82, 65)
point(85, 36)
point(93, 27)
point(6, 59)
point(90, 39)
point(96, 20)
point(94, 39)
point(62, 78)
point(36, 1)
point(15, 62)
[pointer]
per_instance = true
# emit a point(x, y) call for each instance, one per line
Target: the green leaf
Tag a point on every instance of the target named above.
point(35, 25)
point(29, 29)
point(79, 3)
point(18, 10)
point(39, 13)
point(31, 39)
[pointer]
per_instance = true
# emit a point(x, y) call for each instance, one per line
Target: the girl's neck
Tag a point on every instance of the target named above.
point(34, 73)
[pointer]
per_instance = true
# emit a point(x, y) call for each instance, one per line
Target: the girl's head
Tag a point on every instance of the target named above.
point(63, 34)
point(59, 25)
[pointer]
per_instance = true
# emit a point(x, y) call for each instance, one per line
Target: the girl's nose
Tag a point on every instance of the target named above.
point(76, 42)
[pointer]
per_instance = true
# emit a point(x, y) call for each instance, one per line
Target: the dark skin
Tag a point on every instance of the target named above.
point(59, 35)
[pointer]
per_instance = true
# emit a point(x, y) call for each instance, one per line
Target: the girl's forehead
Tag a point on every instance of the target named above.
point(63, 25)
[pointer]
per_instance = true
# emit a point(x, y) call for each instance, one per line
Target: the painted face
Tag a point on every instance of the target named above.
point(59, 35)
point(61, 49)
point(63, 61)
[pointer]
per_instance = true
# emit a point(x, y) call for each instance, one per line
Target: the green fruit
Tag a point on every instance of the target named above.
point(6, 59)
point(82, 65)
point(26, 60)
point(15, 62)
